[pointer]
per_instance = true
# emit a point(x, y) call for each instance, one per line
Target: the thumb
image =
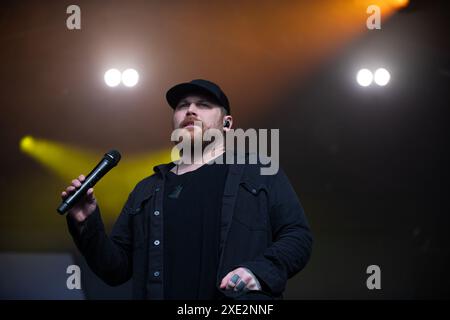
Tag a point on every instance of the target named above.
point(90, 195)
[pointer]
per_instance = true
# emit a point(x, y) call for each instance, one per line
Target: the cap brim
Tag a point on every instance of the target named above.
point(176, 93)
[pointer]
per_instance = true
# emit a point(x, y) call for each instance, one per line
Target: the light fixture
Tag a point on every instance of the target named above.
point(112, 77)
point(364, 77)
point(382, 77)
point(130, 77)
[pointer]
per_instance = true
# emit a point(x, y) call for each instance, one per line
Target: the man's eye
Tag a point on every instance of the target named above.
point(204, 104)
point(181, 105)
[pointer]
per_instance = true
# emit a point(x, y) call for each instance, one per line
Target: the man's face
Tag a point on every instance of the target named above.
point(197, 107)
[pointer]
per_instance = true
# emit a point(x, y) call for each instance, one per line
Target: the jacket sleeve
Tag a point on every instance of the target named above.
point(292, 239)
point(110, 258)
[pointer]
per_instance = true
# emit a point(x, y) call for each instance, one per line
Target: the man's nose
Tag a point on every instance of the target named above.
point(192, 109)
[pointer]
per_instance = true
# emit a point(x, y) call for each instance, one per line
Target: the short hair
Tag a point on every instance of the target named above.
point(224, 111)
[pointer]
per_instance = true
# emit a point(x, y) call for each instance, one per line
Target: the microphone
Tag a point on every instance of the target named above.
point(108, 162)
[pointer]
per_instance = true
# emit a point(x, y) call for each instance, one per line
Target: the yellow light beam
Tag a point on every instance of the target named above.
point(69, 162)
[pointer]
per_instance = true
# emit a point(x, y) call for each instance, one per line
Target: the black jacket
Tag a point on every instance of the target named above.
point(263, 228)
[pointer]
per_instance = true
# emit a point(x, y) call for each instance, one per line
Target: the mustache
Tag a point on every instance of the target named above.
point(187, 121)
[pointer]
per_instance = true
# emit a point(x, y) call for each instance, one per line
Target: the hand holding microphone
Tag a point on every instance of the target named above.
point(78, 198)
point(85, 206)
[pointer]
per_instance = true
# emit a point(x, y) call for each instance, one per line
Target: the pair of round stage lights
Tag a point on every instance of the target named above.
point(114, 77)
point(365, 77)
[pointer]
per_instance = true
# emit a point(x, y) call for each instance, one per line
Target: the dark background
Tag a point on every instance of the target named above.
point(370, 165)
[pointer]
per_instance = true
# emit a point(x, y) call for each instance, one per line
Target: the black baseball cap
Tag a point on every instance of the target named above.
point(208, 88)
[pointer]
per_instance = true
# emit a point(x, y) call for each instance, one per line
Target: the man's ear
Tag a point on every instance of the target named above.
point(227, 122)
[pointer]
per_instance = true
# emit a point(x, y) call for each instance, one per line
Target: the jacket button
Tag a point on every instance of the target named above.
point(254, 191)
point(156, 242)
point(156, 213)
point(156, 273)
point(157, 189)
point(138, 209)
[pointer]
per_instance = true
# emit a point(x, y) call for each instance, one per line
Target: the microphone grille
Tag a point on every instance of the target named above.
point(114, 155)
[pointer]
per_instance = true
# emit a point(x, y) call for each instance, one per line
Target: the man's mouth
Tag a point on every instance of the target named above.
point(190, 124)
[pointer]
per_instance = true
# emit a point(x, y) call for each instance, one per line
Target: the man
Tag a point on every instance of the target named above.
point(196, 230)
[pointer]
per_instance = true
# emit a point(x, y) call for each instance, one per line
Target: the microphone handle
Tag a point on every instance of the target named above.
point(93, 177)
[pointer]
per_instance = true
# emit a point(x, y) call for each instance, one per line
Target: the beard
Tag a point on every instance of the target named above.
point(196, 141)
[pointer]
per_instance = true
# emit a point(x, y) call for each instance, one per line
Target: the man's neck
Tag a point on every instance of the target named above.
point(197, 162)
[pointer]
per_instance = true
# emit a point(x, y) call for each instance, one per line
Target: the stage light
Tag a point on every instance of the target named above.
point(382, 77)
point(26, 143)
point(112, 77)
point(364, 77)
point(130, 77)
point(67, 162)
point(399, 4)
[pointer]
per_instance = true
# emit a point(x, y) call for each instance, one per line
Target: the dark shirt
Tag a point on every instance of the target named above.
point(192, 203)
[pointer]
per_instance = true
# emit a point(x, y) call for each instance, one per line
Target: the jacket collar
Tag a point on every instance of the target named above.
point(166, 167)
point(162, 169)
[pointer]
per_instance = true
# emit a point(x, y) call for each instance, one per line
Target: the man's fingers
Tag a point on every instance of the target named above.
point(225, 280)
point(247, 278)
point(76, 183)
point(245, 282)
point(239, 279)
point(253, 286)
point(240, 286)
point(90, 195)
point(232, 282)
